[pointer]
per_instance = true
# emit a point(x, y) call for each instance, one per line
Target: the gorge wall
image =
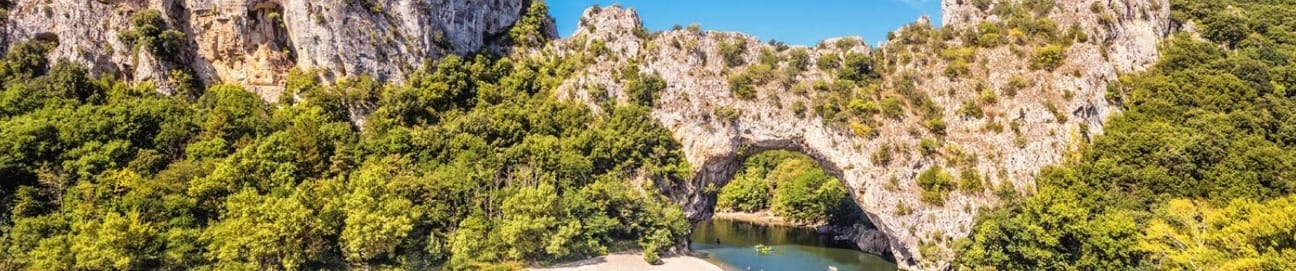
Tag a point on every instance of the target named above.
point(255, 42)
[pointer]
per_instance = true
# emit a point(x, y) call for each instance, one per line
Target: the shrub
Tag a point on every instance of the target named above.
point(728, 114)
point(1057, 113)
point(970, 181)
point(892, 108)
point(846, 43)
point(957, 68)
point(990, 34)
point(856, 67)
point(928, 146)
point(799, 108)
point(799, 59)
point(828, 62)
point(935, 184)
point(971, 110)
point(150, 31)
point(882, 156)
point(1015, 83)
point(988, 96)
point(863, 130)
point(742, 86)
point(903, 209)
point(645, 88)
point(529, 30)
point(29, 58)
point(1049, 57)
point(936, 125)
point(863, 108)
point(732, 52)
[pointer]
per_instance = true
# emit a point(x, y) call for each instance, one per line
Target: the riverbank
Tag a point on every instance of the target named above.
point(765, 218)
point(627, 261)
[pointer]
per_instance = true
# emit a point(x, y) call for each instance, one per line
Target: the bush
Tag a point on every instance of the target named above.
point(970, 181)
point(732, 53)
point(892, 108)
point(800, 59)
point(728, 114)
point(1049, 57)
point(1058, 114)
point(989, 35)
point(27, 59)
point(863, 130)
point(150, 31)
point(882, 156)
point(799, 108)
point(863, 108)
point(935, 124)
point(1015, 83)
point(957, 68)
point(857, 67)
point(928, 146)
point(935, 184)
point(529, 30)
point(645, 89)
point(742, 86)
point(971, 110)
point(828, 62)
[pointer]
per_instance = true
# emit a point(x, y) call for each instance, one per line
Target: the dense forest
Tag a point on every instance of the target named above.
point(472, 164)
point(789, 185)
point(1198, 173)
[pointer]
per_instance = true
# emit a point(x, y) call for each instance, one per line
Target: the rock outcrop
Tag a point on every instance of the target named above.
point(1049, 110)
point(255, 42)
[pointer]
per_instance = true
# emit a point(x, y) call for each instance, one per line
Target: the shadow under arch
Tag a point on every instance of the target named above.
point(719, 172)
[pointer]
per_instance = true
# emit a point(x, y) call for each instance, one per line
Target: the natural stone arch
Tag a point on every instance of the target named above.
point(716, 129)
point(722, 170)
point(718, 152)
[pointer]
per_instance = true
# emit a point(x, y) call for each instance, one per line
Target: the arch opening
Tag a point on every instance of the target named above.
point(782, 184)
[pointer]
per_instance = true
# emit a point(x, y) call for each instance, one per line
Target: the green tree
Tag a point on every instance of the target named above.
point(377, 218)
point(530, 217)
point(529, 31)
point(259, 232)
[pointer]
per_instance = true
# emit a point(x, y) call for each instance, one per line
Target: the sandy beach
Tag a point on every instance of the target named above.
point(633, 262)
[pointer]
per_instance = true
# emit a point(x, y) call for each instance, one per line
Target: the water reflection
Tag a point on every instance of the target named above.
point(731, 244)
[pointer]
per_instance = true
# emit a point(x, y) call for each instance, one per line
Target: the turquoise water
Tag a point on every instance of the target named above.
point(731, 244)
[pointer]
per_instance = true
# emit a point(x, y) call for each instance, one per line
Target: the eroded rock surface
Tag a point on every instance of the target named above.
point(255, 42)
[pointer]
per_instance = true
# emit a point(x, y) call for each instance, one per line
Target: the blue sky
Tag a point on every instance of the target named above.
point(803, 22)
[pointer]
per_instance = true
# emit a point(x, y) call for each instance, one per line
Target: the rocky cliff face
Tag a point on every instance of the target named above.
point(255, 42)
point(1048, 109)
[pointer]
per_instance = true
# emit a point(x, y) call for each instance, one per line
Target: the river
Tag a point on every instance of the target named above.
point(731, 245)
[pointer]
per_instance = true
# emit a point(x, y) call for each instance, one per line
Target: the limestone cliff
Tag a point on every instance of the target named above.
point(255, 42)
point(1048, 109)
